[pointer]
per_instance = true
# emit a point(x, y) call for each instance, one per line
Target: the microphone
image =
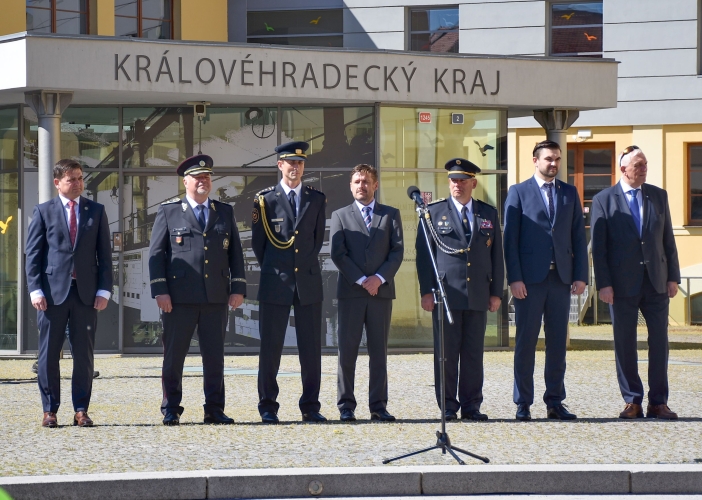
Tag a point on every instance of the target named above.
point(415, 195)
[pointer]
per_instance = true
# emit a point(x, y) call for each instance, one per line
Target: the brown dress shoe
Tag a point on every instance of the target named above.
point(49, 420)
point(660, 411)
point(632, 410)
point(81, 419)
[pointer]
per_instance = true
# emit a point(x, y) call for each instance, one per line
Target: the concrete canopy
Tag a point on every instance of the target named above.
point(129, 71)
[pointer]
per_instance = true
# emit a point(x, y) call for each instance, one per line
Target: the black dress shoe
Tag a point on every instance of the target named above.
point(313, 416)
point(347, 415)
point(560, 412)
point(268, 417)
point(523, 412)
point(218, 417)
point(382, 415)
point(451, 415)
point(473, 415)
point(171, 418)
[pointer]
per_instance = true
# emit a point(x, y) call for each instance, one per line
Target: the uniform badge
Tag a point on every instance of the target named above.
point(486, 224)
point(179, 240)
point(441, 223)
point(225, 243)
point(277, 228)
point(185, 206)
point(489, 242)
point(254, 216)
point(443, 217)
point(212, 206)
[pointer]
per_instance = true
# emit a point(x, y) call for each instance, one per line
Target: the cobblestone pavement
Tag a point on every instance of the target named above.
point(129, 436)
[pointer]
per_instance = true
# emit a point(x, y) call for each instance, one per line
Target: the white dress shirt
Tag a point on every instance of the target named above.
point(360, 207)
point(298, 192)
point(639, 197)
point(196, 211)
point(35, 294)
point(544, 194)
point(469, 210)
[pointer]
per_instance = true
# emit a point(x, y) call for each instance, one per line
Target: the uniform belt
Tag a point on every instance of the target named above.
point(552, 266)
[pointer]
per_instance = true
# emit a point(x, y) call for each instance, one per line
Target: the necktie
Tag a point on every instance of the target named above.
point(201, 216)
point(293, 204)
point(551, 208)
point(634, 208)
point(72, 229)
point(466, 222)
point(367, 217)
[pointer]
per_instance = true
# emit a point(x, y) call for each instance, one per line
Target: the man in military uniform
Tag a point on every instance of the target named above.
point(196, 266)
point(287, 234)
point(467, 243)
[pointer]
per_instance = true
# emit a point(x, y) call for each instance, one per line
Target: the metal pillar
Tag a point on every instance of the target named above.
point(556, 123)
point(48, 105)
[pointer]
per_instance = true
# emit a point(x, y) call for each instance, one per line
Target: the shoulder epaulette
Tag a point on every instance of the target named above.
point(307, 186)
point(486, 204)
point(172, 200)
point(263, 191)
point(436, 201)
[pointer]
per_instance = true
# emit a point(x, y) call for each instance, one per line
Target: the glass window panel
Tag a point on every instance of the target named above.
point(696, 182)
point(71, 23)
point(9, 216)
point(597, 161)
point(155, 29)
point(75, 5)
point(292, 22)
point(38, 20)
point(46, 4)
point(576, 14)
point(302, 41)
point(571, 164)
point(156, 9)
point(576, 40)
point(433, 19)
point(91, 137)
point(126, 7)
point(126, 26)
point(439, 41)
point(696, 309)
point(696, 157)
point(157, 137)
point(696, 208)
point(594, 184)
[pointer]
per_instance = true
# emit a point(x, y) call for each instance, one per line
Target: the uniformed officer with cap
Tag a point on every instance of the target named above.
point(196, 266)
point(467, 243)
point(287, 234)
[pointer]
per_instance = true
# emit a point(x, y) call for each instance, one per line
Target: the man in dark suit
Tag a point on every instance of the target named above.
point(196, 266)
point(69, 276)
point(636, 268)
point(546, 257)
point(467, 243)
point(367, 247)
point(287, 233)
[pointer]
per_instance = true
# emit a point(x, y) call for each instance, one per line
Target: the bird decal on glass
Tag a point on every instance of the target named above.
point(315, 21)
point(482, 149)
point(568, 16)
point(5, 225)
point(268, 28)
point(590, 38)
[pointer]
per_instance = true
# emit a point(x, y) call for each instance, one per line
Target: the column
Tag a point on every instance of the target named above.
point(48, 105)
point(556, 123)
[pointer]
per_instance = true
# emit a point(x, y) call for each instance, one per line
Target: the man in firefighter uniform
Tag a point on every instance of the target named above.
point(466, 240)
point(196, 266)
point(287, 234)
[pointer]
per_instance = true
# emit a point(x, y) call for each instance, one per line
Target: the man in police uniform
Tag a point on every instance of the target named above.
point(197, 270)
point(467, 243)
point(287, 234)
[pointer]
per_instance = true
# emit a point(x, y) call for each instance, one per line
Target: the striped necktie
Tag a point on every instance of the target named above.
point(367, 217)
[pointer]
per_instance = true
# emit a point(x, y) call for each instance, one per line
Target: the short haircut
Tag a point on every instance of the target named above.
point(62, 167)
point(545, 145)
point(365, 169)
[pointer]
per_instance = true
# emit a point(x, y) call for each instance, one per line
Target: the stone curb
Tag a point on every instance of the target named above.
point(363, 481)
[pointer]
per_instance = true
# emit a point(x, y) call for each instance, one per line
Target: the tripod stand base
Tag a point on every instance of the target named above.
point(443, 443)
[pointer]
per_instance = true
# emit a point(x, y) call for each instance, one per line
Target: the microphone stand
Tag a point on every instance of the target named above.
point(443, 442)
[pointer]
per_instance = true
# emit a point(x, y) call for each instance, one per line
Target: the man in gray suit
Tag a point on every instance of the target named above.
point(366, 246)
point(636, 269)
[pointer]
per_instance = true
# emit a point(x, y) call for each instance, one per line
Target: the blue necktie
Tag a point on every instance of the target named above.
point(201, 217)
point(551, 208)
point(466, 222)
point(293, 204)
point(367, 217)
point(634, 208)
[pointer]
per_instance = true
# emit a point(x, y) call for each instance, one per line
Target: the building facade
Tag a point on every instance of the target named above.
point(112, 83)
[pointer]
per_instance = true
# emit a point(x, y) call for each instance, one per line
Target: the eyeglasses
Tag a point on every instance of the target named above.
point(626, 151)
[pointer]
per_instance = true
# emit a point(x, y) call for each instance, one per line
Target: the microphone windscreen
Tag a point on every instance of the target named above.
point(411, 190)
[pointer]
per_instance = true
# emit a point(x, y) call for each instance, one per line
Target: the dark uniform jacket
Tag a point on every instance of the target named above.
point(471, 276)
point(620, 255)
point(50, 257)
point(283, 270)
point(191, 265)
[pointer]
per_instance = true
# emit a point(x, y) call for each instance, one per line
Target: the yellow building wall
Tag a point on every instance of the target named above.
point(202, 20)
point(102, 17)
point(666, 149)
point(13, 16)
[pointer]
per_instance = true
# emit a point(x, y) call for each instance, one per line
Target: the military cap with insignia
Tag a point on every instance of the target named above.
point(195, 165)
point(293, 150)
point(459, 168)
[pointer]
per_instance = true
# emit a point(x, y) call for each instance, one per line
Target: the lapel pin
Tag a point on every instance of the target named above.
point(85, 208)
point(225, 243)
point(185, 206)
point(212, 206)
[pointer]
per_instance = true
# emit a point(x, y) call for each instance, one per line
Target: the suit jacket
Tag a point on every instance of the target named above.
point(531, 242)
point(358, 252)
point(191, 265)
point(50, 257)
point(296, 267)
point(620, 255)
point(471, 276)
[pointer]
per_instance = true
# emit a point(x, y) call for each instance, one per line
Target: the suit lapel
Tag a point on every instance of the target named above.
point(457, 221)
point(624, 207)
point(282, 199)
point(189, 214)
point(212, 217)
point(377, 217)
point(356, 215)
point(304, 204)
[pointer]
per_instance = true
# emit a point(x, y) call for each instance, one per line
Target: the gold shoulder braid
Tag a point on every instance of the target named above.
point(281, 245)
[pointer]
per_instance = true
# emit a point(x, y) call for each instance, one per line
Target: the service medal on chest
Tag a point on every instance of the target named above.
point(277, 228)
